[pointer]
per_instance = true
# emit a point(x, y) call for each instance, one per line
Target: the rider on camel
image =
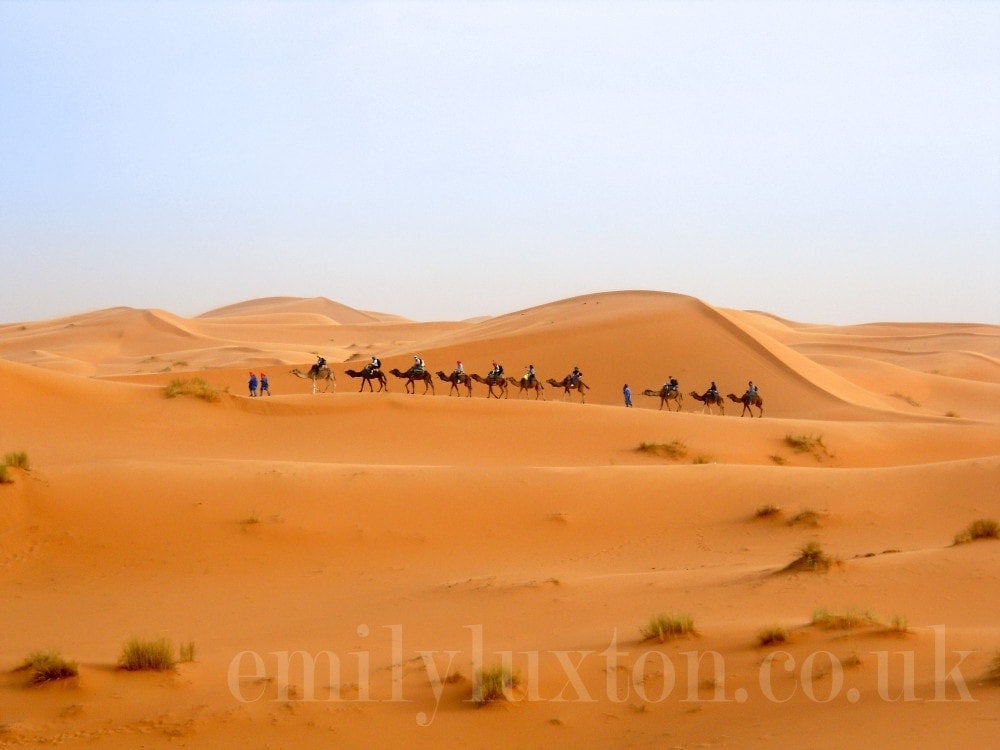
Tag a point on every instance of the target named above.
point(671, 384)
point(529, 376)
point(574, 377)
point(712, 392)
point(320, 364)
point(459, 371)
point(496, 374)
point(374, 365)
point(419, 366)
point(751, 393)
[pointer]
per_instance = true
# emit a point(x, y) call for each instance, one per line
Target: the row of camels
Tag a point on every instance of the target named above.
point(708, 400)
point(456, 381)
point(498, 387)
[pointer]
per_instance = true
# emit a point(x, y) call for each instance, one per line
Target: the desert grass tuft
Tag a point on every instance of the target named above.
point(805, 518)
point(197, 387)
point(898, 625)
point(812, 444)
point(186, 652)
point(4, 477)
point(982, 528)
point(849, 620)
point(778, 459)
point(811, 558)
point(17, 459)
point(664, 626)
point(493, 684)
point(993, 670)
point(141, 655)
point(771, 635)
point(46, 666)
point(673, 449)
point(767, 511)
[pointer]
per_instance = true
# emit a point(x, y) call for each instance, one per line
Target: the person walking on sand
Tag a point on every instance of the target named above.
point(252, 383)
point(627, 393)
point(264, 387)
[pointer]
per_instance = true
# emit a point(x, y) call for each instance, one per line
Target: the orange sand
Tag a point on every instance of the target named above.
point(416, 537)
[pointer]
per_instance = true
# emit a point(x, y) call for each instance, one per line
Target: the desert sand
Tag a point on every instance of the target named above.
point(409, 540)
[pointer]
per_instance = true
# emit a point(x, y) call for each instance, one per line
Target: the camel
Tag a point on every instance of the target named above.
point(666, 395)
point(523, 386)
point(410, 378)
point(367, 376)
point(568, 385)
point(490, 381)
point(708, 400)
point(747, 403)
point(314, 374)
point(456, 379)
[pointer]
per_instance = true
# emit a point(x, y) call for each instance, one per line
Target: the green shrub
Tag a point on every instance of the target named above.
point(983, 528)
point(46, 666)
point(493, 684)
point(156, 655)
point(664, 626)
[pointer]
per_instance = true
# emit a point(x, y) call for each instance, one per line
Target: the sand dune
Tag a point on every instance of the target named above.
point(417, 537)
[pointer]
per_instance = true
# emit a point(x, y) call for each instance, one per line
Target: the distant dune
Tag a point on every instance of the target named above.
point(344, 562)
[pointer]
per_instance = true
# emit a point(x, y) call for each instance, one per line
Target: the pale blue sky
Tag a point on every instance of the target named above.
point(829, 162)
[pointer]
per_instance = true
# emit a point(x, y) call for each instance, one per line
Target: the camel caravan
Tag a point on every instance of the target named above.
point(499, 386)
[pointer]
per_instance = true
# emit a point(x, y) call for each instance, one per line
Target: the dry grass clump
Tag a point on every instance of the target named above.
point(493, 684)
point(771, 635)
point(17, 459)
point(812, 444)
point(767, 511)
point(811, 558)
point(4, 477)
point(186, 652)
point(196, 387)
point(983, 528)
point(673, 449)
point(46, 666)
point(898, 625)
point(805, 518)
point(140, 655)
point(993, 670)
point(849, 620)
point(664, 626)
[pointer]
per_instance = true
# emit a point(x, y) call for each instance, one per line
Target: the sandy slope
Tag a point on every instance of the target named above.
point(414, 537)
